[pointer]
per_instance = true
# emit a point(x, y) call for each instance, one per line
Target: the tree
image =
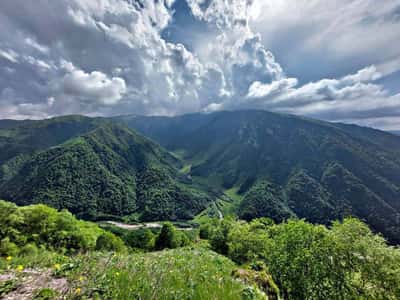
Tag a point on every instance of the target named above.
point(141, 238)
point(168, 237)
point(109, 242)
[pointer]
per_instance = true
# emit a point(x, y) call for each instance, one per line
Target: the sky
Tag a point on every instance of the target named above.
point(336, 60)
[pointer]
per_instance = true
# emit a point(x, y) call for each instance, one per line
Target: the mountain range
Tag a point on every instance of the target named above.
point(95, 169)
point(246, 163)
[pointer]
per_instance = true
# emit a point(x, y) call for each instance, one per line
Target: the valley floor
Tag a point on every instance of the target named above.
point(148, 225)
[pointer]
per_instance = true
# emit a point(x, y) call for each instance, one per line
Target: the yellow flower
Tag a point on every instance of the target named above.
point(81, 278)
point(8, 258)
point(117, 274)
point(78, 291)
point(57, 266)
point(20, 268)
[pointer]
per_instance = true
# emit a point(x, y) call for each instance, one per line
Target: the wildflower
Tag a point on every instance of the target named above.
point(57, 266)
point(117, 274)
point(20, 268)
point(8, 258)
point(78, 291)
point(81, 278)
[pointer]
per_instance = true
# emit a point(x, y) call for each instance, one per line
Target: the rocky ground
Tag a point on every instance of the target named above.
point(32, 284)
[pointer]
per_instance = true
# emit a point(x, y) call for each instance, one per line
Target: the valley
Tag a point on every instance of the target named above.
point(245, 163)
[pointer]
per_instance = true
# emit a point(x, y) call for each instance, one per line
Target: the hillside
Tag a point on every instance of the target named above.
point(26, 137)
point(248, 163)
point(46, 254)
point(322, 171)
point(109, 170)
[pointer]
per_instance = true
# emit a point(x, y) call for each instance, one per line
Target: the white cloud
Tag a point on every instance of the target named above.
point(10, 55)
point(353, 86)
point(31, 42)
point(38, 62)
point(259, 89)
point(93, 86)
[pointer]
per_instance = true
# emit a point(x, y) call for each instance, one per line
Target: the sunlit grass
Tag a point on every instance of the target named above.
point(184, 273)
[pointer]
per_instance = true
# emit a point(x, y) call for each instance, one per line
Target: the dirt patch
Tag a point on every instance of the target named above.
point(30, 281)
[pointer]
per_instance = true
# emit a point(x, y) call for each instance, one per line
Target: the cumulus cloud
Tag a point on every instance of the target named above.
point(258, 89)
point(349, 99)
point(109, 57)
point(93, 86)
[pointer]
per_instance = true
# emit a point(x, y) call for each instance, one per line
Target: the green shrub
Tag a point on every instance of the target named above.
point(29, 250)
point(205, 230)
point(219, 236)
point(345, 261)
point(42, 226)
point(142, 238)
point(183, 239)
point(8, 248)
point(247, 243)
point(109, 242)
point(168, 237)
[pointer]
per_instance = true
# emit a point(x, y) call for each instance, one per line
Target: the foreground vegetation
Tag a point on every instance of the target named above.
point(175, 274)
point(223, 259)
point(98, 264)
point(345, 261)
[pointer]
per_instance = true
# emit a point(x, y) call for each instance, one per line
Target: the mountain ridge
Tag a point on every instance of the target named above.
point(109, 170)
point(295, 166)
point(243, 148)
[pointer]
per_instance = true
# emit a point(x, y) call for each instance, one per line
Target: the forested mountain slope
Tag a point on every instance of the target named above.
point(279, 165)
point(109, 170)
point(296, 166)
point(28, 136)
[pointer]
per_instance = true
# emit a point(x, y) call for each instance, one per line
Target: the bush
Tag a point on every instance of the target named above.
point(8, 248)
point(42, 226)
point(29, 250)
point(247, 243)
point(183, 239)
point(346, 261)
point(141, 238)
point(109, 242)
point(168, 237)
point(219, 236)
point(205, 230)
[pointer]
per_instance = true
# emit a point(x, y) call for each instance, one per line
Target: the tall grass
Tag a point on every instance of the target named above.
point(183, 273)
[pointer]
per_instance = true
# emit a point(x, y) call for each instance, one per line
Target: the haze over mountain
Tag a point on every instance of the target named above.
point(256, 162)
